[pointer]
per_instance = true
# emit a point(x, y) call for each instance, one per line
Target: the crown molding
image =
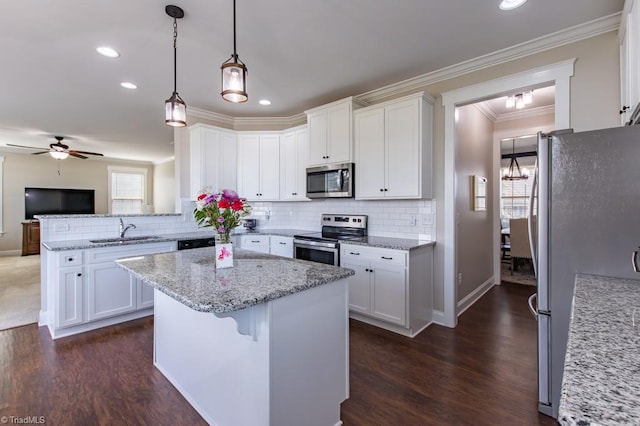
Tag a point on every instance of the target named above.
point(486, 110)
point(541, 44)
point(526, 113)
point(235, 122)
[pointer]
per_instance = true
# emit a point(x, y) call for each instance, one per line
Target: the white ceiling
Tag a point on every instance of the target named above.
point(300, 54)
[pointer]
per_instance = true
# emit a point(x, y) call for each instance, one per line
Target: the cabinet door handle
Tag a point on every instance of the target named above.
point(386, 258)
point(366, 269)
point(254, 241)
point(284, 244)
point(354, 253)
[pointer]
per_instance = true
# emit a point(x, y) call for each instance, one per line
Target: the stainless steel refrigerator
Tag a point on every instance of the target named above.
point(587, 220)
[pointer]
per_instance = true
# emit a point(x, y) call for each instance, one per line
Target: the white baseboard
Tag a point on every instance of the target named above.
point(438, 318)
point(10, 253)
point(476, 294)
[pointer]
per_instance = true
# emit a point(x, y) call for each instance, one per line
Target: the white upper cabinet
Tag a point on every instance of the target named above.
point(330, 133)
point(259, 166)
point(393, 149)
point(294, 154)
point(629, 35)
point(212, 159)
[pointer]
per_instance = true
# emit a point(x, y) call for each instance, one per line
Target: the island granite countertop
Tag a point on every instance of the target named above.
point(190, 276)
point(389, 242)
point(601, 381)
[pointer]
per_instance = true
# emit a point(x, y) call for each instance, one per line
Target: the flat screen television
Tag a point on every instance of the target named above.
point(58, 201)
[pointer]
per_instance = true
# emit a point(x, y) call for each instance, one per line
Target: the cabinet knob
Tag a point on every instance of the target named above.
point(381, 189)
point(70, 259)
point(79, 274)
point(385, 189)
point(366, 269)
point(624, 109)
point(370, 270)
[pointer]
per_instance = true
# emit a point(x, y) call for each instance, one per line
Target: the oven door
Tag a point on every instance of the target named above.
point(316, 251)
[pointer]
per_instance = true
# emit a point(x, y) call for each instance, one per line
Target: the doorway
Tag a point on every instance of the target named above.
point(558, 75)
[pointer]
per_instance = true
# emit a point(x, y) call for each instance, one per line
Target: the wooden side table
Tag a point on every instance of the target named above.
point(30, 237)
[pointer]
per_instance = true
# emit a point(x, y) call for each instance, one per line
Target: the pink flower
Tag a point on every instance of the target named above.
point(222, 229)
point(230, 195)
point(220, 219)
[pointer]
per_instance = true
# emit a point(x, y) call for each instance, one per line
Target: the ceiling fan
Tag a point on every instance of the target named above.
point(58, 150)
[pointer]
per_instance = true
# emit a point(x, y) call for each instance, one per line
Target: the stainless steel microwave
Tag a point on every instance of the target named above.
point(330, 181)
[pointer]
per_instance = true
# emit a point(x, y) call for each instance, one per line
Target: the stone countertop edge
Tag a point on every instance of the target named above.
point(390, 243)
point(190, 277)
point(601, 380)
point(370, 241)
point(82, 216)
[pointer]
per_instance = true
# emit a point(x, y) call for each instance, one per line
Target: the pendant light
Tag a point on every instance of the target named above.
point(175, 108)
point(514, 172)
point(234, 73)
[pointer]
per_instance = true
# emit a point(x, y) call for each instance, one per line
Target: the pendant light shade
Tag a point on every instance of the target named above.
point(175, 108)
point(234, 73)
point(514, 172)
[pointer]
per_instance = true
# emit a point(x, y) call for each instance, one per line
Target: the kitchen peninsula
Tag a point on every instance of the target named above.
point(262, 343)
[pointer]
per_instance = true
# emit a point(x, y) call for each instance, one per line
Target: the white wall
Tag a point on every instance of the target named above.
point(164, 187)
point(474, 156)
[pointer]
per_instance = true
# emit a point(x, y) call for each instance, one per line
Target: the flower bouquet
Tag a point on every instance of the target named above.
point(223, 211)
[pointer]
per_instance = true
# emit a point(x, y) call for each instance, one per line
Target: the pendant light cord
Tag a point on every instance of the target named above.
point(235, 55)
point(175, 55)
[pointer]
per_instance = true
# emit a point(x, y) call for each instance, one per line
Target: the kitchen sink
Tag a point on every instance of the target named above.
point(123, 239)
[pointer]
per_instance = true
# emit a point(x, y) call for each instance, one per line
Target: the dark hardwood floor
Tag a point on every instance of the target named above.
point(482, 372)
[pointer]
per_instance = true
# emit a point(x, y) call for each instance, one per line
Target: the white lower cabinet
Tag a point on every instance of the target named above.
point(91, 291)
point(69, 297)
point(281, 246)
point(259, 243)
point(110, 291)
point(391, 288)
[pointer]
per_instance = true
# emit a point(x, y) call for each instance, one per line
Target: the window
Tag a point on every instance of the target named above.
point(514, 197)
point(127, 189)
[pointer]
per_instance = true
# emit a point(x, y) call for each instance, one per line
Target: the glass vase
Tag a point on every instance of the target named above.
point(224, 251)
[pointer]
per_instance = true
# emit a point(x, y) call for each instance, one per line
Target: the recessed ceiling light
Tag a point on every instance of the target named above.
point(128, 85)
point(511, 4)
point(107, 51)
point(264, 102)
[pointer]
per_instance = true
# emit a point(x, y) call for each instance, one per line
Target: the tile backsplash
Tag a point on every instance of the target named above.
point(393, 218)
point(398, 218)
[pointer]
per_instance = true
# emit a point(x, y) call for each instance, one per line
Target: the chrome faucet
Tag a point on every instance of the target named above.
point(124, 229)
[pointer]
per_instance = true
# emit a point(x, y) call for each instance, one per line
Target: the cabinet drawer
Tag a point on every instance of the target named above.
point(70, 258)
point(254, 240)
point(350, 252)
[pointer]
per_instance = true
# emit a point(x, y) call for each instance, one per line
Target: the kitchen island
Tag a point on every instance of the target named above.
point(601, 380)
point(262, 343)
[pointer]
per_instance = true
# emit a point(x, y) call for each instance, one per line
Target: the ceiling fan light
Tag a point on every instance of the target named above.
point(175, 111)
point(58, 155)
point(527, 97)
point(234, 81)
point(519, 101)
point(511, 4)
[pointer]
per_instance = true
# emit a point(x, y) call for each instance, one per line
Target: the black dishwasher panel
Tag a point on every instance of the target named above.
point(196, 243)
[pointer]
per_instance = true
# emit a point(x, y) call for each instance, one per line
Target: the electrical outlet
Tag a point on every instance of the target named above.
point(61, 227)
point(412, 222)
point(460, 279)
point(427, 219)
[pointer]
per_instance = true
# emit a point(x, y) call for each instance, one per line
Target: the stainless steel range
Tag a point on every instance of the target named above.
point(324, 247)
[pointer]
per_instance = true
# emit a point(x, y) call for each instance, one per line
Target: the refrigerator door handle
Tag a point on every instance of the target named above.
point(634, 261)
point(530, 223)
point(534, 311)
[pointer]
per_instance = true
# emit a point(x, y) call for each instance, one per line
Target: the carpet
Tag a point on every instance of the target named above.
point(19, 290)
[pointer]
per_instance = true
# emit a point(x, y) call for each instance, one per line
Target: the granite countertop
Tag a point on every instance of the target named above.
point(601, 381)
point(79, 216)
point(389, 243)
point(190, 276)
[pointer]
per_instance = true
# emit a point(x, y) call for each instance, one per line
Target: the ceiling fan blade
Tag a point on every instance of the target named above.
point(86, 152)
point(75, 154)
point(38, 153)
point(23, 146)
